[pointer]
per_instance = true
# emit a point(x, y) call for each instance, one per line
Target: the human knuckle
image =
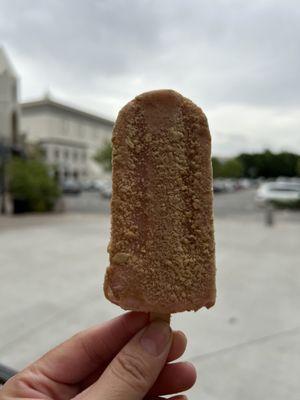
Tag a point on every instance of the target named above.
point(132, 370)
point(19, 382)
point(80, 339)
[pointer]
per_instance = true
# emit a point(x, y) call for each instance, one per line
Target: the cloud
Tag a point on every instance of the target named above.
point(237, 128)
point(225, 55)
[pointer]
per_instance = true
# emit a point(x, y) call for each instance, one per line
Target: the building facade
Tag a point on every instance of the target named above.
point(9, 105)
point(68, 136)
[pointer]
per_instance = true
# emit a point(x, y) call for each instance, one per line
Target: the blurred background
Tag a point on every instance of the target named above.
point(66, 68)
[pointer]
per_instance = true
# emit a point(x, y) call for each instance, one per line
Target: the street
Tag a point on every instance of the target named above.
point(247, 347)
point(226, 205)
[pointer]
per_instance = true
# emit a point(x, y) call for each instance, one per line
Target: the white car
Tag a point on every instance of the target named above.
point(279, 192)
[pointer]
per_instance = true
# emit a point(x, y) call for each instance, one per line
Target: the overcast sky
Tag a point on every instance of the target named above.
point(238, 60)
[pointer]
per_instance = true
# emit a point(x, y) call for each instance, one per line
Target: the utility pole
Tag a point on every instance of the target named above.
point(3, 189)
point(3, 152)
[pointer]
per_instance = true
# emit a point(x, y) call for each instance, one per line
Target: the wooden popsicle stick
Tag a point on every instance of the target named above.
point(163, 317)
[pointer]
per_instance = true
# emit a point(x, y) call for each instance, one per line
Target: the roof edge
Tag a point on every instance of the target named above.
point(49, 102)
point(6, 65)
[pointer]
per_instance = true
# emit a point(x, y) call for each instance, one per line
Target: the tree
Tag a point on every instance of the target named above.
point(268, 164)
point(232, 168)
point(298, 167)
point(103, 156)
point(217, 167)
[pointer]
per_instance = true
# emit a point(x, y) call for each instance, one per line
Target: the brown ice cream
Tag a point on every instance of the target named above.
point(162, 255)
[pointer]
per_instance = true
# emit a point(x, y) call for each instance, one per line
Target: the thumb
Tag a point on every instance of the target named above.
point(134, 370)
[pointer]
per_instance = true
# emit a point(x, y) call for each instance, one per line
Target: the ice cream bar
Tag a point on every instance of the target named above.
point(162, 252)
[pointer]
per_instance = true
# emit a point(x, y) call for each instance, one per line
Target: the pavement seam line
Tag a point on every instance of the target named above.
point(242, 345)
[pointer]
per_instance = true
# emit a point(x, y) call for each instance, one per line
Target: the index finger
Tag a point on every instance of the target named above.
point(90, 349)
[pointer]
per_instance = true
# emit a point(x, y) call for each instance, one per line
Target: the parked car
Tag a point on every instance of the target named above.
point(70, 186)
point(106, 190)
point(219, 186)
point(95, 186)
point(227, 185)
point(231, 185)
point(88, 186)
point(244, 183)
point(103, 187)
point(99, 185)
point(281, 193)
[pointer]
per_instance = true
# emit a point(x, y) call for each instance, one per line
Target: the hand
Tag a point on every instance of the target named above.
point(125, 359)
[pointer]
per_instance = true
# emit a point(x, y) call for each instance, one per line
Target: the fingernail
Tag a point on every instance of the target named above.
point(156, 338)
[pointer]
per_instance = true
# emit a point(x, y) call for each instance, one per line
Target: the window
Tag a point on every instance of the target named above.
point(75, 155)
point(66, 154)
point(56, 153)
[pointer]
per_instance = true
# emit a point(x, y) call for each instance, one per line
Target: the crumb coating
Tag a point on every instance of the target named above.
point(162, 252)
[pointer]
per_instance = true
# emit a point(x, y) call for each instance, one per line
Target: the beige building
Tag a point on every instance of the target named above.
point(9, 106)
point(69, 137)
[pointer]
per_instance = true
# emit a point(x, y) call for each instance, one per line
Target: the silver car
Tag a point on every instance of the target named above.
point(278, 192)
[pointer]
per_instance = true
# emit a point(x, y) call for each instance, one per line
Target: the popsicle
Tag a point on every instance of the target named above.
point(162, 251)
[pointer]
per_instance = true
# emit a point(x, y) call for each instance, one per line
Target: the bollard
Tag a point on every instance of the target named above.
point(269, 215)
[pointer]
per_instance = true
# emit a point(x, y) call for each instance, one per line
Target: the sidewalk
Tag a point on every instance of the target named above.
point(247, 347)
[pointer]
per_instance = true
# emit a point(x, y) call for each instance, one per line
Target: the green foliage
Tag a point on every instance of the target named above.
point(216, 167)
point(266, 164)
point(29, 180)
point(298, 167)
point(104, 155)
point(294, 205)
point(231, 168)
point(35, 151)
point(269, 165)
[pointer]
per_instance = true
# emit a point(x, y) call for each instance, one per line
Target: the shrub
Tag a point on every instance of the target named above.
point(293, 205)
point(31, 183)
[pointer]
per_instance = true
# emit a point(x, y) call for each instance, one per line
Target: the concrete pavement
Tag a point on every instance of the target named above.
point(247, 347)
